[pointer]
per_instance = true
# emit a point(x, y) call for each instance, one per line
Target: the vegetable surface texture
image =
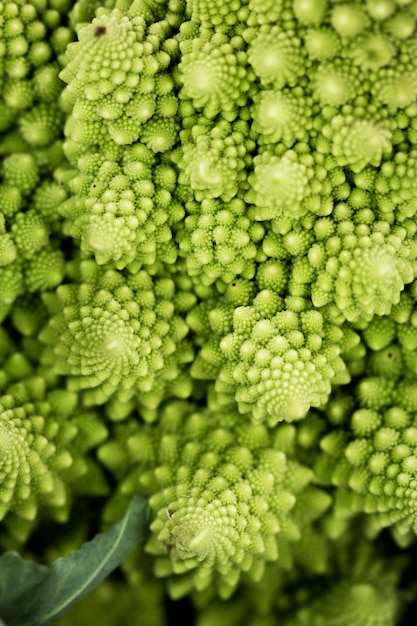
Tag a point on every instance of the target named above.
point(208, 288)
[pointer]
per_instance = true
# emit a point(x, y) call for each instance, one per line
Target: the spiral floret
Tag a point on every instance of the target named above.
point(279, 116)
point(357, 143)
point(276, 57)
point(335, 83)
point(280, 365)
point(218, 14)
point(106, 61)
point(372, 51)
point(396, 186)
point(43, 454)
point(374, 463)
point(115, 335)
point(116, 83)
point(396, 89)
point(125, 216)
point(214, 160)
point(280, 184)
point(214, 74)
point(219, 241)
point(363, 270)
point(219, 491)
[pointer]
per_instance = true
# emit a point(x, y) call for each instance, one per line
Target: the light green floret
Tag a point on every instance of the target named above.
point(335, 83)
point(46, 83)
point(356, 143)
point(264, 12)
point(212, 318)
point(20, 171)
point(46, 200)
point(349, 19)
point(321, 43)
point(116, 82)
point(395, 186)
point(402, 24)
point(310, 12)
point(279, 363)
point(276, 56)
point(395, 88)
point(380, 332)
point(30, 233)
point(221, 15)
point(124, 213)
point(159, 134)
point(28, 316)
point(41, 125)
point(18, 95)
point(373, 462)
point(105, 61)
point(10, 199)
point(44, 446)
point(30, 61)
point(393, 342)
point(27, 30)
point(362, 269)
point(214, 74)
point(380, 10)
point(372, 51)
point(280, 116)
point(280, 184)
point(214, 159)
point(46, 270)
point(11, 281)
point(221, 493)
point(219, 241)
point(114, 335)
point(7, 249)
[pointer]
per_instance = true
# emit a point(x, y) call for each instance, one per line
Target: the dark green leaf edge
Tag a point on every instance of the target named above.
point(44, 595)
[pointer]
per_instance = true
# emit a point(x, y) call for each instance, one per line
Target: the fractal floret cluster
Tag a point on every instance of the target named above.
point(208, 292)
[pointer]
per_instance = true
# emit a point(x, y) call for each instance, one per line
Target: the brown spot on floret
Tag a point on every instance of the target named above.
point(100, 31)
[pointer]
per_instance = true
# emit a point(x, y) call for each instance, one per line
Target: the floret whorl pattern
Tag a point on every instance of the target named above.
point(113, 336)
point(219, 241)
point(370, 453)
point(29, 262)
point(45, 440)
point(214, 72)
point(240, 176)
point(280, 116)
point(363, 269)
point(280, 183)
point(373, 462)
point(279, 364)
point(33, 38)
point(214, 160)
point(124, 213)
point(219, 490)
point(117, 86)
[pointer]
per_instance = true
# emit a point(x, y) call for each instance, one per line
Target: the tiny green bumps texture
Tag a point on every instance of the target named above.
point(208, 262)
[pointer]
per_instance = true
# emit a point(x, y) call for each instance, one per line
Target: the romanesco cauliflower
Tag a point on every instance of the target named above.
point(208, 286)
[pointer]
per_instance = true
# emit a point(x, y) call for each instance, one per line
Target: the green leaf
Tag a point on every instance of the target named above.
point(19, 581)
point(71, 578)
